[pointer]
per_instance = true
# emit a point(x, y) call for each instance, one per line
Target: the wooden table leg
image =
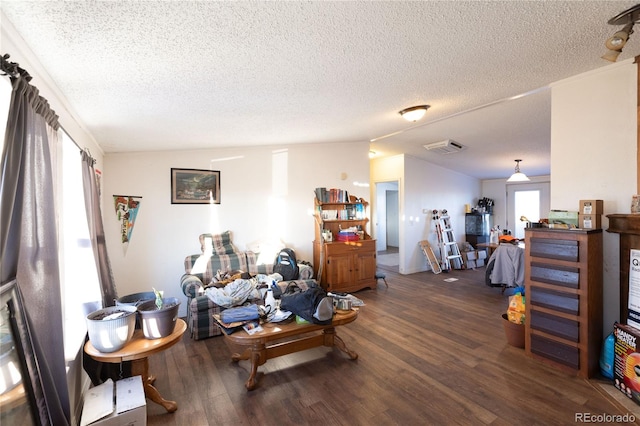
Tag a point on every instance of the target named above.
point(331, 338)
point(257, 354)
point(141, 367)
point(255, 361)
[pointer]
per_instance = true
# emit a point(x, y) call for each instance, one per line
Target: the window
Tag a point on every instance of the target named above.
point(78, 275)
point(530, 200)
point(527, 204)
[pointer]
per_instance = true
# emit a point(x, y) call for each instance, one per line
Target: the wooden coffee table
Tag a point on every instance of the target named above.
point(277, 339)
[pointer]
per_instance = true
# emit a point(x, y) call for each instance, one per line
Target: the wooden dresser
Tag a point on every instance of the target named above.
point(563, 279)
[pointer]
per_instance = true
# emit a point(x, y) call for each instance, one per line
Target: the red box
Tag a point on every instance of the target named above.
point(347, 236)
point(626, 361)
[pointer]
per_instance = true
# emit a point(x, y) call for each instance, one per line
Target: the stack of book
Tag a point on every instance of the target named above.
point(332, 195)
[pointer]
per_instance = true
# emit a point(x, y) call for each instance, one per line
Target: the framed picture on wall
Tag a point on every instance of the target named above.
point(193, 186)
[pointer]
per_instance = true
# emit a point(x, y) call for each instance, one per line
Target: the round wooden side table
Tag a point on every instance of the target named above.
point(137, 350)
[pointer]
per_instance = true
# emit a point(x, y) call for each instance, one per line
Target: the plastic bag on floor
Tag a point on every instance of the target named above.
point(516, 309)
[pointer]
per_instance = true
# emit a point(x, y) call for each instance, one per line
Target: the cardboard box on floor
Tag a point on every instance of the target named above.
point(475, 258)
point(127, 407)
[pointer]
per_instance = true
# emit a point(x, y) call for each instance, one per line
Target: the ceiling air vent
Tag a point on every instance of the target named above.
point(445, 147)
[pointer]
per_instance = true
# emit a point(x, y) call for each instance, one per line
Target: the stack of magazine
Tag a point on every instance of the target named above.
point(250, 326)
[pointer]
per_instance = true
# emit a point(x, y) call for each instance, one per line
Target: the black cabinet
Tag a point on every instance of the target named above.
point(477, 228)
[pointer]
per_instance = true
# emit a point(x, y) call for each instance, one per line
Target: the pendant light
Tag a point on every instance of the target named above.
point(518, 176)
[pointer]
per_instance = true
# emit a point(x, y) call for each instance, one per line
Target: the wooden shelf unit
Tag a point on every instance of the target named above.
point(628, 226)
point(563, 279)
point(344, 266)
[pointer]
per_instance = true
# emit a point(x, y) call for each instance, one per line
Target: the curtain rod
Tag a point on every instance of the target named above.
point(13, 70)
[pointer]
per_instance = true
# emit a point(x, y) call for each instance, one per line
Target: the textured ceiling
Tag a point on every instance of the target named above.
point(190, 75)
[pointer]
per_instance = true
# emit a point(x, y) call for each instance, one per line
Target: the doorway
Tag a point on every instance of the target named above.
point(526, 200)
point(387, 225)
point(393, 235)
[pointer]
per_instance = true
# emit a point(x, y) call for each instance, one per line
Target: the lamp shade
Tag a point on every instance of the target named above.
point(611, 55)
point(518, 176)
point(618, 40)
point(414, 113)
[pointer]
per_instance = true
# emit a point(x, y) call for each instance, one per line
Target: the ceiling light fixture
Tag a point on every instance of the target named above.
point(616, 42)
point(414, 113)
point(518, 176)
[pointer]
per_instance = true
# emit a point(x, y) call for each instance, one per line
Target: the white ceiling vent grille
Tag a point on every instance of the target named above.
point(445, 147)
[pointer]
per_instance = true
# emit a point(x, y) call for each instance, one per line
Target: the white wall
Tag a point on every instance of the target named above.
point(164, 233)
point(428, 187)
point(594, 152)
point(424, 186)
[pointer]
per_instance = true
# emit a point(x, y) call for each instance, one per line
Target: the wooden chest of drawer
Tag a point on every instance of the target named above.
point(563, 280)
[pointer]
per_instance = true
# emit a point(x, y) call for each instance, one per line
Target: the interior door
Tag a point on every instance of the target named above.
point(393, 220)
point(380, 214)
point(531, 200)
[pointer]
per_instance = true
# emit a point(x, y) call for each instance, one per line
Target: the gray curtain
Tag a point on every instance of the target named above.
point(96, 230)
point(28, 240)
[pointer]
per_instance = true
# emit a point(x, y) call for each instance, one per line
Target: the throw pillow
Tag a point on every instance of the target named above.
point(220, 243)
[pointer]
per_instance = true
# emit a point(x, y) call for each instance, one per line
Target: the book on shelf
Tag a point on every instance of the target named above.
point(332, 195)
point(329, 214)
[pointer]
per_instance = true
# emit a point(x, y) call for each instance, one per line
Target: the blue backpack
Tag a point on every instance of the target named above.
point(286, 265)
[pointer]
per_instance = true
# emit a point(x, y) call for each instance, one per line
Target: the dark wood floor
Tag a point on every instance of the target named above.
point(431, 352)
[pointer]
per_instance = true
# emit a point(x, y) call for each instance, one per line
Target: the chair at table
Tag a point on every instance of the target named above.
point(506, 267)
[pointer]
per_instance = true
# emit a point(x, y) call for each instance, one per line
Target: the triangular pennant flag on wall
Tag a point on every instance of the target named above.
point(126, 211)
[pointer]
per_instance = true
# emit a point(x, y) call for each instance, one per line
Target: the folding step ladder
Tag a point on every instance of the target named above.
point(431, 258)
point(444, 265)
point(449, 250)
